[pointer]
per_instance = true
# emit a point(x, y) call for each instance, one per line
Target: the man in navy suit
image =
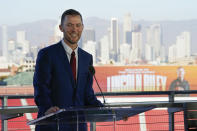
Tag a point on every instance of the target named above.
point(61, 78)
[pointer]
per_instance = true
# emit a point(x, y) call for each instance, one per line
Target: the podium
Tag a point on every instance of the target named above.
point(84, 115)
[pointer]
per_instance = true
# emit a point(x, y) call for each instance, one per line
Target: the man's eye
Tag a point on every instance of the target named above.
point(69, 25)
point(78, 25)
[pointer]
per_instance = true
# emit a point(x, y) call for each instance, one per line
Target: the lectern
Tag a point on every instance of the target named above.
point(83, 115)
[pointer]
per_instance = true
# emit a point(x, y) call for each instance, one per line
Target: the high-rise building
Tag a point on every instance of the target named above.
point(11, 45)
point(128, 37)
point(4, 41)
point(22, 42)
point(114, 45)
point(154, 40)
point(90, 47)
point(136, 46)
point(149, 53)
point(183, 43)
point(163, 54)
point(137, 28)
point(182, 48)
point(127, 28)
point(88, 35)
point(124, 53)
point(104, 49)
point(172, 53)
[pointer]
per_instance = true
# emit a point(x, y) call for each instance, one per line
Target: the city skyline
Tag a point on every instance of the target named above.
point(123, 53)
point(22, 11)
point(129, 41)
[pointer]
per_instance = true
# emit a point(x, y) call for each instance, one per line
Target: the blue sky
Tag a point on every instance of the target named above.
point(14, 12)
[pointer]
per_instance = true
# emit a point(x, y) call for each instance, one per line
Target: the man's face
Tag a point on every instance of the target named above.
point(181, 73)
point(72, 28)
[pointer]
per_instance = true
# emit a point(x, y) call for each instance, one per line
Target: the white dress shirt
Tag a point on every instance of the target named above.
point(69, 52)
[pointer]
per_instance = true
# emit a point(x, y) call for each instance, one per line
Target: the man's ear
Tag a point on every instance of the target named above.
point(61, 28)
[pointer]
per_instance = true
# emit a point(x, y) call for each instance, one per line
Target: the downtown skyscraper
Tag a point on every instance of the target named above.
point(136, 52)
point(114, 39)
point(127, 28)
point(104, 49)
point(88, 35)
point(22, 42)
point(153, 42)
point(181, 49)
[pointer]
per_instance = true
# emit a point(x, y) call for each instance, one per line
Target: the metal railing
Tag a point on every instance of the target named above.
point(170, 94)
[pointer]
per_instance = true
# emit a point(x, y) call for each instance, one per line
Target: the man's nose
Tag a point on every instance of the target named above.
point(74, 27)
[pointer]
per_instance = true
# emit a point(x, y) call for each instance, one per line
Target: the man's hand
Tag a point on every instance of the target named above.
point(125, 118)
point(51, 110)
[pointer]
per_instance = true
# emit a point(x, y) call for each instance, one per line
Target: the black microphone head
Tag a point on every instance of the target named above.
point(91, 70)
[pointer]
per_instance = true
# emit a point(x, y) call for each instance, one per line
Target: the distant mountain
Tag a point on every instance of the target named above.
point(100, 26)
point(40, 31)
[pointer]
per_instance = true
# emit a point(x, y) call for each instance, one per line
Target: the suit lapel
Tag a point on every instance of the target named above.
point(80, 61)
point(64, 59)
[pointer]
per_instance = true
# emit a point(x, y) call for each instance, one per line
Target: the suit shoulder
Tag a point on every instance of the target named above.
point(50, 48)
point(84, 52)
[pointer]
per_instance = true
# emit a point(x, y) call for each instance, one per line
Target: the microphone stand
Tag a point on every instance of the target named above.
point(92, 72)
point(100, 89)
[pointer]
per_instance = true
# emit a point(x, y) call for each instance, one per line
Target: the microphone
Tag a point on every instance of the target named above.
point(92, 72)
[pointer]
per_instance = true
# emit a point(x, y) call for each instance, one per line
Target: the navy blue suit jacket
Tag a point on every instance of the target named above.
point(54, 84)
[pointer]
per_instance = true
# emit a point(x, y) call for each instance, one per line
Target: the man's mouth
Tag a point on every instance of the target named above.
point(73, 35)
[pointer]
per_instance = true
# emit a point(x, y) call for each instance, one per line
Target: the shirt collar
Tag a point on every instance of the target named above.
point(68, 49)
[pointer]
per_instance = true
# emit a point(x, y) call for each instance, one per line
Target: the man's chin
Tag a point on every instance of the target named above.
point(73, 41)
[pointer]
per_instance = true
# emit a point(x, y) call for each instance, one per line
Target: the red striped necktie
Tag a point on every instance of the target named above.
point(73, 64)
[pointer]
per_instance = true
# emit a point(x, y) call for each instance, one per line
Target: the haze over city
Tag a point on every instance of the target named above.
point(126, 32)
point(21, 11)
